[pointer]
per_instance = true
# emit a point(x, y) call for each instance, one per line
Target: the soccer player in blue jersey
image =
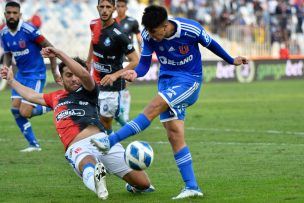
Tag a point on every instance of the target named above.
point(176, 43)
point(24, 42)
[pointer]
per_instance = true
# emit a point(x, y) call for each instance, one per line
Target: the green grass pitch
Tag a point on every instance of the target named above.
point(246, 140)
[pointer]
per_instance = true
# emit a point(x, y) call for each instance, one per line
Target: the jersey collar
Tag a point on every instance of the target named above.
point(177, 34)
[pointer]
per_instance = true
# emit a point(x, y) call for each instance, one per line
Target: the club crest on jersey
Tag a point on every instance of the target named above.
point(183, 49)
point(22, 44)
point(107, 42)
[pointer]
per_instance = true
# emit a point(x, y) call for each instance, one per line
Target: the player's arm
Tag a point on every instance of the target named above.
point(140, 70)
point(78, 70)
point(219, 51)
point(110, 78)
point(139, 41)
point(26, 92)
point(7, 59)
point(136, 31)
point(206, 41)
point(90, 57)
point(143, 66)
point(45, 43)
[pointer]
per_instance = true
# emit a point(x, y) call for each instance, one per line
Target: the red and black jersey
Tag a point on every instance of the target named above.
point(129, 25)
point(73, 112)
point(110, 45)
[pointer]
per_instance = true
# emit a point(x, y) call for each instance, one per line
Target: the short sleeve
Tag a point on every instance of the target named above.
point(136, 27)
point(126, 43)
point(204, 38)
point(48, 98)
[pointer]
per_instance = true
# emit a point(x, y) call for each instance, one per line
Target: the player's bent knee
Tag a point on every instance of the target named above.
point(85, 160)
point(26, 111)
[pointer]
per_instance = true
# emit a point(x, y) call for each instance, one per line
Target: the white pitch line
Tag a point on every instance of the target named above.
point(197, 142)
point(235, 143)
point(239, 131)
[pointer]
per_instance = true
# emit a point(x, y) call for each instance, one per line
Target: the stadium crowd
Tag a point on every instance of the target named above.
point(278, 23)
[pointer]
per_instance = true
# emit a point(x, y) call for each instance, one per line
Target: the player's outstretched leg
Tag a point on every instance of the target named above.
point(26, 129)
point(140, 123)
point(126, 103)
point(100, 181)
point(184, 163)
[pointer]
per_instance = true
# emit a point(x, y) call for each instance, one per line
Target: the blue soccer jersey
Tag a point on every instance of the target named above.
point(24, 46)
point(179, 55)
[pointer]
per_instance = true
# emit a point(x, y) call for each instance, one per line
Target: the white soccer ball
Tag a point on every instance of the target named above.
point(139, 155)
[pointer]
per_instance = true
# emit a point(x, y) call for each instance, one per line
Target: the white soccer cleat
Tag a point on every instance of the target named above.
point(100, 181)
point(186, 193)
point(31, 148)
point(103, 144)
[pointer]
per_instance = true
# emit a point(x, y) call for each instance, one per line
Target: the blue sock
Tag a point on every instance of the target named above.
point(39, 110)
point(184, 163)
point(133, 127)
point(25, 127)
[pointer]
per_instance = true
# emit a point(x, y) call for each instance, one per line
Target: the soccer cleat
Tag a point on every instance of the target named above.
point(31, 148)
point(132, 189)
point(103, 144)
point(100, 181)
point(186, 193)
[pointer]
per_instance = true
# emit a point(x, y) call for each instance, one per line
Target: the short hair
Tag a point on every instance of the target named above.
point(12, 4)
point(154, 16)
point(111, 1)
point(124, 1)
point(77, 59)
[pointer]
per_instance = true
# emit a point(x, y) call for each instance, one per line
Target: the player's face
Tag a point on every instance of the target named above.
point(121, 8)
point(159, 33)
point(70, 81)
point(12, 16)
point(105, 10)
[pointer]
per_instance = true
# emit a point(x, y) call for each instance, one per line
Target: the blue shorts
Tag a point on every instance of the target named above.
point(35, 84)
point(179, 94)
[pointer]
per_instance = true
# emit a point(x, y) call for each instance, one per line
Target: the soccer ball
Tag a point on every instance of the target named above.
point(139, 155)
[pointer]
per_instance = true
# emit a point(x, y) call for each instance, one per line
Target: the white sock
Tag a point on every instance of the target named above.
point(88, 178)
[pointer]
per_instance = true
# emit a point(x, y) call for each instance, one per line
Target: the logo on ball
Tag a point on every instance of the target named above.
point(139, 155)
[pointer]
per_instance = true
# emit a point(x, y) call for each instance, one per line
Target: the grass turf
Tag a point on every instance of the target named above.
point(246, 140)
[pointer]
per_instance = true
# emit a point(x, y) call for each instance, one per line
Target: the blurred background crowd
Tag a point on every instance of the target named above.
point(254, 28)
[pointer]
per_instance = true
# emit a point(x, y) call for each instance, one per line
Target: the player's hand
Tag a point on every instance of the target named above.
point(239, 60)
point(108, 80)
point(58, 80)
point(7, 73)
point(129, 75)
point(49, 52)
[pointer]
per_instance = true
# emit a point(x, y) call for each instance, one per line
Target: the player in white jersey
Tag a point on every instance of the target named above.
point(176, 43)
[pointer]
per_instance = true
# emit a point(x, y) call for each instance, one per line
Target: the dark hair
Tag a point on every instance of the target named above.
point(77, 59)
point(154, 16)
point(12, 4)
point(124, 1)
point(111, 1)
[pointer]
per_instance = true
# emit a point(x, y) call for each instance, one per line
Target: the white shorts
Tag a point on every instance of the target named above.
point(113, 161)
point(109, 103)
